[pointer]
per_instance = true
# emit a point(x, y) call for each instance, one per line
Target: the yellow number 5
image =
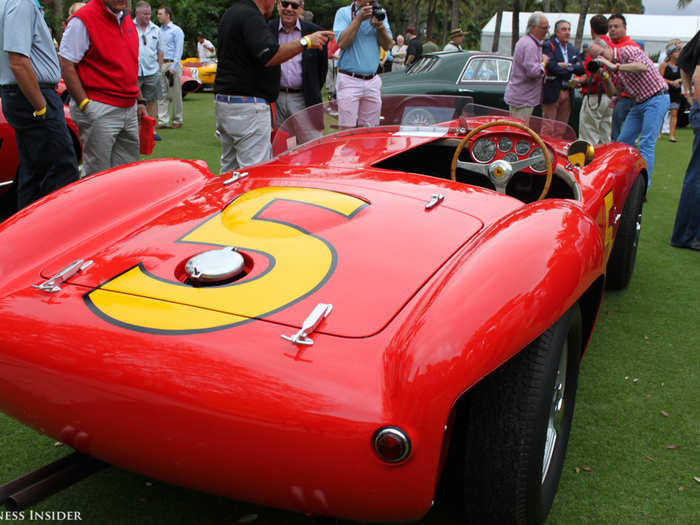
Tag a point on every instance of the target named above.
point(299, 264)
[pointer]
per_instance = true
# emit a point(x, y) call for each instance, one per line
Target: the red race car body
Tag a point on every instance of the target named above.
point(306, 333)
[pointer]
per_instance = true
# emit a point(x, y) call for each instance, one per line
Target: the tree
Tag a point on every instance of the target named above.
point(515, 28)
point(497, 30)
point(581, 23)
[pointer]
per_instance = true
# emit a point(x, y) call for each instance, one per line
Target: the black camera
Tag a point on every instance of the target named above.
point(378, 11)
point(593, 67)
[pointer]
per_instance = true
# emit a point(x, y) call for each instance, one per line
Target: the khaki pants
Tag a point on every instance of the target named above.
point(244, 132)
point(595, 119)
point(109, 134)
point(170, 94)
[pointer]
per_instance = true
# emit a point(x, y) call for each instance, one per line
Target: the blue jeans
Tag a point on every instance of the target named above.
point(644, 121)
point(622, 108)
point(46, 153)
point(687, 226)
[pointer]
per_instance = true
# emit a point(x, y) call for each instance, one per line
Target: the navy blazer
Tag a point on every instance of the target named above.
point(557, 75)
point(314, 63)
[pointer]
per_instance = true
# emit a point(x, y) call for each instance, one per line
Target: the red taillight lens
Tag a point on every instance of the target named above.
point(391, 444)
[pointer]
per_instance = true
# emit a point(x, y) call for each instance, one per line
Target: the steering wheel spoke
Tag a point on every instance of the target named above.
point(520, 164)
point(482, 169)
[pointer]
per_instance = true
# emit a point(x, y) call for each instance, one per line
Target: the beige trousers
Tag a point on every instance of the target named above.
point(170, 94)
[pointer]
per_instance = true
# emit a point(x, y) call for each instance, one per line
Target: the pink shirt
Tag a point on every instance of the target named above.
point(527, 73)
point(291, 69)
point(640, 85)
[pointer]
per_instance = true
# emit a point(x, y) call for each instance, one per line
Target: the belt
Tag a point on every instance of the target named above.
point(357, 75)
point(166, 60)
point(232, 99)
point(42, 85)
point(659, 92)
point(290, 90)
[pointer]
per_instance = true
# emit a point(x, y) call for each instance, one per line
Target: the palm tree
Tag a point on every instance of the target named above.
point(497, 30)
point(581, 23)
point(682, 4)
point(515, 28)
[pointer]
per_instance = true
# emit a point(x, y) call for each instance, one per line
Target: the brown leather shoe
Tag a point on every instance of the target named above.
point(163, 126)
point(176, 125)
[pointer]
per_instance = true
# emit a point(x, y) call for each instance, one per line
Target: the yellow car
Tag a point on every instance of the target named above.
point(205, 72)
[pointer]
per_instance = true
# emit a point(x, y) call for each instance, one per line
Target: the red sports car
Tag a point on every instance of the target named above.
point(9, 160)
point(336, 329)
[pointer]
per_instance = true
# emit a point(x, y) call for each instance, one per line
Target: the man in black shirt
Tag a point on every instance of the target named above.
point(248, 79)
point(415, 47)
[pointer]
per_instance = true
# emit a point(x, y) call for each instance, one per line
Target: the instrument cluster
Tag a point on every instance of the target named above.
point(511, 149)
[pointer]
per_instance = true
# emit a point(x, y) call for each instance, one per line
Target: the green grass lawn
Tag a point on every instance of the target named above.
point(639, 393)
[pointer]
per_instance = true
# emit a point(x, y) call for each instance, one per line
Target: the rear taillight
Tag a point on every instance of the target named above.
point(391, 444)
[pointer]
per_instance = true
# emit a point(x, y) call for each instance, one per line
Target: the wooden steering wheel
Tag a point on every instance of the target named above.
point(499, 171)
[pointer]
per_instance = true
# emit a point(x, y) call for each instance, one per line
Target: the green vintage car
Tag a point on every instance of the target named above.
point(478, 74)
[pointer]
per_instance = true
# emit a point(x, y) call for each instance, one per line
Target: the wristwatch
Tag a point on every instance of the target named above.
point(305, 42)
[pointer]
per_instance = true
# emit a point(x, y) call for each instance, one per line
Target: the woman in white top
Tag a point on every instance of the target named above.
point(399, 54)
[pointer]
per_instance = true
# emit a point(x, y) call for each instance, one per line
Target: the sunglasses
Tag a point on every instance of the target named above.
point(293, 5)
point(145, 42)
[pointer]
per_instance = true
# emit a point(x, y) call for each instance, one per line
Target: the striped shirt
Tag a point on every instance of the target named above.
point(640, 85)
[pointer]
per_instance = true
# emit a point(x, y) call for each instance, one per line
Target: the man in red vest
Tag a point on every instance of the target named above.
point(99, 61)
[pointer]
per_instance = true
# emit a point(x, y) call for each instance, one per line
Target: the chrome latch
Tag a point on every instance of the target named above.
point(319, 313)
point(235, 177)
point(436, 199)
point(52, 285)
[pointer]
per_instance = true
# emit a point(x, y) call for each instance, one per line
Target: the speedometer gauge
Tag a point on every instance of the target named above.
point(537, 160)
point(522, 147)
point(484, 150)
point(505, 143)
point(510, 157)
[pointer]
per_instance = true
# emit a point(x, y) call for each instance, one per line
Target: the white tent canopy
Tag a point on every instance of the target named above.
point(654, 30)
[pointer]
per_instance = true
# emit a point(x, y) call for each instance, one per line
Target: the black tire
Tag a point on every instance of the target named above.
point(509, 416)
point(624, 251)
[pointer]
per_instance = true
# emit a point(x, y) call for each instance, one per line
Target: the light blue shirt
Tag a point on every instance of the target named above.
point(148, 52)
point(173, 43)
point(28, 35)
point(564, 51)
point(362, 56)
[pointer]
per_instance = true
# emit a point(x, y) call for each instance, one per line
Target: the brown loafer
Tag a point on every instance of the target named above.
point(176, 125)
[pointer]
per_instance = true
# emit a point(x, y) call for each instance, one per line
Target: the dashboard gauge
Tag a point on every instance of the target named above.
point(522, 147)
point(484, 150)
point(510, 157)
point(538, 162)
point(505, 143)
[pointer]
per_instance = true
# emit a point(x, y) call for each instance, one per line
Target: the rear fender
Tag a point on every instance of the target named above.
point(494, 297)
point(114, 201)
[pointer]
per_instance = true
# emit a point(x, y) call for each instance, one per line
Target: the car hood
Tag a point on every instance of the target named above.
point(364, 250)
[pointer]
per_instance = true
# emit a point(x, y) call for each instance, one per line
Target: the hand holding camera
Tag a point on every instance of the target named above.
point(171, 77)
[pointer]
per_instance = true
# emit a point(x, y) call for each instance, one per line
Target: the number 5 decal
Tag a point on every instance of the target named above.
point(300, 263)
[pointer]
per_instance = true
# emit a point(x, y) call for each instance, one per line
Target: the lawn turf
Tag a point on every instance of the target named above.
point(639, 393)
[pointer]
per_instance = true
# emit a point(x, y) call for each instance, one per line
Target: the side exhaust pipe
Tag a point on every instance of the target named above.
point(38, 485)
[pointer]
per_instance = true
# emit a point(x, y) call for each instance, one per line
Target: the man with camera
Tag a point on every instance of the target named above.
point(360, 29)
point(595, 117)
point(635, 73)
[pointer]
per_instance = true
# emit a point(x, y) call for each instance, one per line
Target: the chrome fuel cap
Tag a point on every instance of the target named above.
point(215, 266)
